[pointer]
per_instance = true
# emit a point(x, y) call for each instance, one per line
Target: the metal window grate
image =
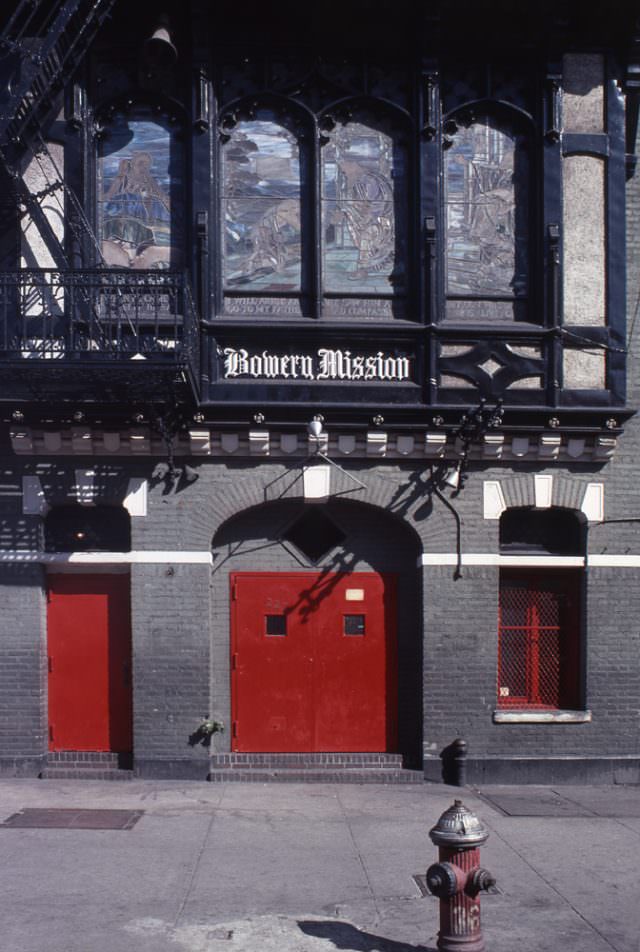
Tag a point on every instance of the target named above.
point(535, 644)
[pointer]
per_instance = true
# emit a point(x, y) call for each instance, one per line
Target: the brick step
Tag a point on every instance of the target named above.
point(319, 761)
point(331, 774)
point(85, 772)
point(92, 757)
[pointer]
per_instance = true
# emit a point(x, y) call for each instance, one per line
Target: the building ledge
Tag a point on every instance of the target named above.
point(542, 717)
point(85, 439)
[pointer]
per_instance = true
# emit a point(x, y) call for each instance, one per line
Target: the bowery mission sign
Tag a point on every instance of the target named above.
point(324, 364)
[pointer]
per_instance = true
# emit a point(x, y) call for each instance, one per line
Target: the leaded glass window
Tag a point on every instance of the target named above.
point(487, 248)
point(363, 211)
point(262, 178)
point(140, 193)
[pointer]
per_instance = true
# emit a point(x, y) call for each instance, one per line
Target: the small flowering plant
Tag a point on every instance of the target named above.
point(210, 726)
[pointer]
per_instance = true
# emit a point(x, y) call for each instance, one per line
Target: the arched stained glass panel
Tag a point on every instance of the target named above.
point(487, 178)
point(140, 188)
point(363, 210)
point(262, 177)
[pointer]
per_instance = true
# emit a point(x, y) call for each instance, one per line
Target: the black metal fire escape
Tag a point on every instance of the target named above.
point(41, 45)
point(92, 313)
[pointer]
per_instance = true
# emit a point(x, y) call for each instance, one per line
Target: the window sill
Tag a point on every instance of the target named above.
point(541, 717)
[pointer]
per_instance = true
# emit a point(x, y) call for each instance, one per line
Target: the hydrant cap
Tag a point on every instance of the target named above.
point(459, 827)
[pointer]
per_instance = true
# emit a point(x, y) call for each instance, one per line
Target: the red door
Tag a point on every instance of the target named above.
point(313, 662)
point(89, 647)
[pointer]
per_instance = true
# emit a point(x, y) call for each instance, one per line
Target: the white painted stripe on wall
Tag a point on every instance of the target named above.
point(428, 558)
point(530, 561)
point(108, 558)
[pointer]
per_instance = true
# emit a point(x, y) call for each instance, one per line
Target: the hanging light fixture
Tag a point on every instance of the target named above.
point(159, 50)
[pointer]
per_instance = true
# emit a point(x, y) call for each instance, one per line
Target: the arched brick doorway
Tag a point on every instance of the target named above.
point(321, 612)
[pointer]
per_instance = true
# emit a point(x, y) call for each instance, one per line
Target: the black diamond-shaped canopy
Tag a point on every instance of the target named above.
point(314, 534)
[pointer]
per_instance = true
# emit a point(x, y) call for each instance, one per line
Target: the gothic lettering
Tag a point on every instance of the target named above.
point(325, 364)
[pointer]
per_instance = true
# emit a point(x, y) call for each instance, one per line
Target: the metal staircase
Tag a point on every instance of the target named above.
point(41, 45)
point(72, 307)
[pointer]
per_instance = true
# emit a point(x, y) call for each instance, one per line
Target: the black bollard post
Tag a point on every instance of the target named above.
point(454, 763)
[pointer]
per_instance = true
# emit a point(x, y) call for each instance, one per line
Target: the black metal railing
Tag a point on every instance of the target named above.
point(55, 314)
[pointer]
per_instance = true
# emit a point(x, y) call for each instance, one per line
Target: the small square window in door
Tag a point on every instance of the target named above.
point(276, 625)
point(353, 625)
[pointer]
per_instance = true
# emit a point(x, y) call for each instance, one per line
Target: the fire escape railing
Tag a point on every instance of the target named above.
point(53, 314)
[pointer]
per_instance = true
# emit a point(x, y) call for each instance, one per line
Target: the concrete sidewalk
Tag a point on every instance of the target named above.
point(314, 868)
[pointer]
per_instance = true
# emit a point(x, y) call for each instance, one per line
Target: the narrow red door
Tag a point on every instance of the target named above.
point(313, 662)
point(89, 648)
point(354, 664)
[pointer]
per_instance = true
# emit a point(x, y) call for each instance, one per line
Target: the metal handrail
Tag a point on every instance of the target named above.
point(116, 313)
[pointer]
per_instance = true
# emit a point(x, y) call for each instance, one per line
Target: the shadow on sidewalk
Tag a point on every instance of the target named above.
point(345, 936)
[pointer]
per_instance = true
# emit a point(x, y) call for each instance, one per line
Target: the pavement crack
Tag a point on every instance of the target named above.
point(194, 870)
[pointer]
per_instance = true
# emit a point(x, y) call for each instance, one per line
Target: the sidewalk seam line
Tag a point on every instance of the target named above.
point(555, 890)
point(378, 918)
point(194, 870)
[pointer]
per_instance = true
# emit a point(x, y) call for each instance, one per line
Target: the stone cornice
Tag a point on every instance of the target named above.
point(260, 442)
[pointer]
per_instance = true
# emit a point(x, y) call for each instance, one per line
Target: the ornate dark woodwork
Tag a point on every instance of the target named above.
point(420, 78)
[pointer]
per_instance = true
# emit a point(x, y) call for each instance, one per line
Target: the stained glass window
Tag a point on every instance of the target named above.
point(262, 177)
point(363, 188)
point(140, 223)
point(486, 212)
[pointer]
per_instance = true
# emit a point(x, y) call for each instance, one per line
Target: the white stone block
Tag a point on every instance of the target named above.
point(493, 503)
point(543, 488)
point(34, 502)
point(593, 502)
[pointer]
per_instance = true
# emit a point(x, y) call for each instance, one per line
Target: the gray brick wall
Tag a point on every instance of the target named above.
point(180, 612)
point(23, 722)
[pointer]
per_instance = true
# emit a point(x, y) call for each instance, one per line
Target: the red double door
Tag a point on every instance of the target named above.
point(89, 649)
point(313, 662)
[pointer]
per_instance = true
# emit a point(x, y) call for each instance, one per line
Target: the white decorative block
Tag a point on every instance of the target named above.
point(111, 442)
point(259, 442)
point(200, 442)
point(549, 445)
point(52, 440)
point(288, 442)
point(575, 448)
point(376, 443)
point(593, 502)
point(82, 440)
point(493, 503)
point(33, 498)
point(135, 502)
point(604, 447)
point(85, 489)
point(318, 444)
point(492, 445)
point(139, 441)
point(346, 444)
point(543, 487)
point(405, 445)
point(229, 442)
point(316, 481)
point(435, 444)
point(520, 445)
point(21, 440)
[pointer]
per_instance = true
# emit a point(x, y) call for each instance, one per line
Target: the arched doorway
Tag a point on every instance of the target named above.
point(324, 629)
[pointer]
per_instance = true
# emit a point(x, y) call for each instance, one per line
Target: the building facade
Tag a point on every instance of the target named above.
point(317, 389)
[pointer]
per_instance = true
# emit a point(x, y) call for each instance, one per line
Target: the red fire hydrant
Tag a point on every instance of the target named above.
point(458, 879)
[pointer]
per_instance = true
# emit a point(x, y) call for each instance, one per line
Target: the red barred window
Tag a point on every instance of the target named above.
point(539, 639)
